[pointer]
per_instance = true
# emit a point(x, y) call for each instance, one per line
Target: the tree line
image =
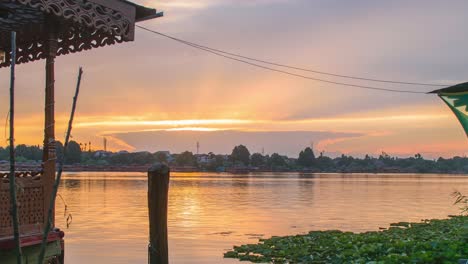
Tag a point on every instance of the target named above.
point(241, 157)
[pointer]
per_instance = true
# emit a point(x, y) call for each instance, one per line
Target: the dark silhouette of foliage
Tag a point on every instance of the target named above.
point(186, 159)
point(240, 155)
point(257, 160)
point(216, 162)
point(73, 153)
point(277, 161)
point(306, 158)
point(28, 152)
point(160, 156)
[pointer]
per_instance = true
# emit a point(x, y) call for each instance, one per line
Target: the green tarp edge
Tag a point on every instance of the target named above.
point(463, 118)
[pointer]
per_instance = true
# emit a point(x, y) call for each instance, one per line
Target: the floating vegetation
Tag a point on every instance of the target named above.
point(225, 233)
point(430, 241)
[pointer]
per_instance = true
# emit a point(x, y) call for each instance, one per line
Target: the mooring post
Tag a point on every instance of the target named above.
point(158, 191)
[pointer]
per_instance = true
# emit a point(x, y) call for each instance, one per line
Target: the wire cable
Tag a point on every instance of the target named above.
point(288, 66)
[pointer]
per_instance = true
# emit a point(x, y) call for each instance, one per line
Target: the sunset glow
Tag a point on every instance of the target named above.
point(177, 89)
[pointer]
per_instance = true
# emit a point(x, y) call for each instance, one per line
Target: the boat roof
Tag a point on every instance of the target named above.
point(78, 25)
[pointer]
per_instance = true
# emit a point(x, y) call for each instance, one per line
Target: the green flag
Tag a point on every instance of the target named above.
point(459, 105)
point(456, 97)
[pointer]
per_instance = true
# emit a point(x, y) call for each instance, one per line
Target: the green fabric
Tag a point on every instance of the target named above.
point(459, 104)
point(459, 88)
point(31, 254)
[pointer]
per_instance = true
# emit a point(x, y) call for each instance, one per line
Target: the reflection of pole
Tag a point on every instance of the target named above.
point(14, 206)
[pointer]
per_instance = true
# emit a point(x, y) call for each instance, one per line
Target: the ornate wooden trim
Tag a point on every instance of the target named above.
point(81, 24)
point(87, 13)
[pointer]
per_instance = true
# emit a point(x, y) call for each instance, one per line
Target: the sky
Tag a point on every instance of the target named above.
point(157, 94)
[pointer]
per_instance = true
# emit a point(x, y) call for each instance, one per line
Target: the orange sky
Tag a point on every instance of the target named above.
point(154, 84)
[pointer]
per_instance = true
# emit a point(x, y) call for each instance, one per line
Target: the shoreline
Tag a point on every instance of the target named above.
point(144, 168)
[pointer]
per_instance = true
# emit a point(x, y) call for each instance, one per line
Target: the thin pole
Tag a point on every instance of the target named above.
point(59, 172)
point(14, 206)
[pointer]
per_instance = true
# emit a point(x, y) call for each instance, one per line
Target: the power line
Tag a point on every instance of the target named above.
point(225, 54)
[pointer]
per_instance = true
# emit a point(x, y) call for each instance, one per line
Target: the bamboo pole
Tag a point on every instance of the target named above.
point(14, 206)
point(158, 188)
point(48, 225)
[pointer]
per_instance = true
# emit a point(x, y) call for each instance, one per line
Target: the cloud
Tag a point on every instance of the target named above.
point(147, 84)
point(284, 142)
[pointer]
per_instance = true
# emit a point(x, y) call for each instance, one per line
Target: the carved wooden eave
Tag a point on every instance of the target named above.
point(79, 25)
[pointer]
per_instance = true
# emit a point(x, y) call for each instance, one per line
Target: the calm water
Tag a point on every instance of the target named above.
point(208, 213)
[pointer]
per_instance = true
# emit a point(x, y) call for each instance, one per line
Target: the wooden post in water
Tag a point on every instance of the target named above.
point(158, 191)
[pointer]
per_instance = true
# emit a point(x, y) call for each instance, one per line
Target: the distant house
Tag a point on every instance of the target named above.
point(102, 154)
point(203, 158)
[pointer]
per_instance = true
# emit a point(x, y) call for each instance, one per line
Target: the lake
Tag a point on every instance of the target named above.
point(209, 212)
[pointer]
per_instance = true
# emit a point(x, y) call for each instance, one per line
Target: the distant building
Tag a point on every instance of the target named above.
point(203, 158)
point(102, 154)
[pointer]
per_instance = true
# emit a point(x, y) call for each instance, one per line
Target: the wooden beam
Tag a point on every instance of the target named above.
point(49, 154)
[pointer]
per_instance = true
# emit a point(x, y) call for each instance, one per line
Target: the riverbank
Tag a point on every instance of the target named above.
point(36, 166)
point(96, 168)
point(429, 241)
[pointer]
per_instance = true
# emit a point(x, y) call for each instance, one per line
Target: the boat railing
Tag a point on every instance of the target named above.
point(30, 198)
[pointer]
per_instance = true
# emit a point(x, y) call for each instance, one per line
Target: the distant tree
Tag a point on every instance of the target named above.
point(120, 159)
point(4, 154)
point(28, 152)
point(240, 154)
point(277, 160)
point(216, 161)
point(73, 153)
point(306, 158)
point(160, 156)
point(384, 156)
point(59, 151)
point(257, 160)
point(325, 163)
point(141, 158)
point(186, 159)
